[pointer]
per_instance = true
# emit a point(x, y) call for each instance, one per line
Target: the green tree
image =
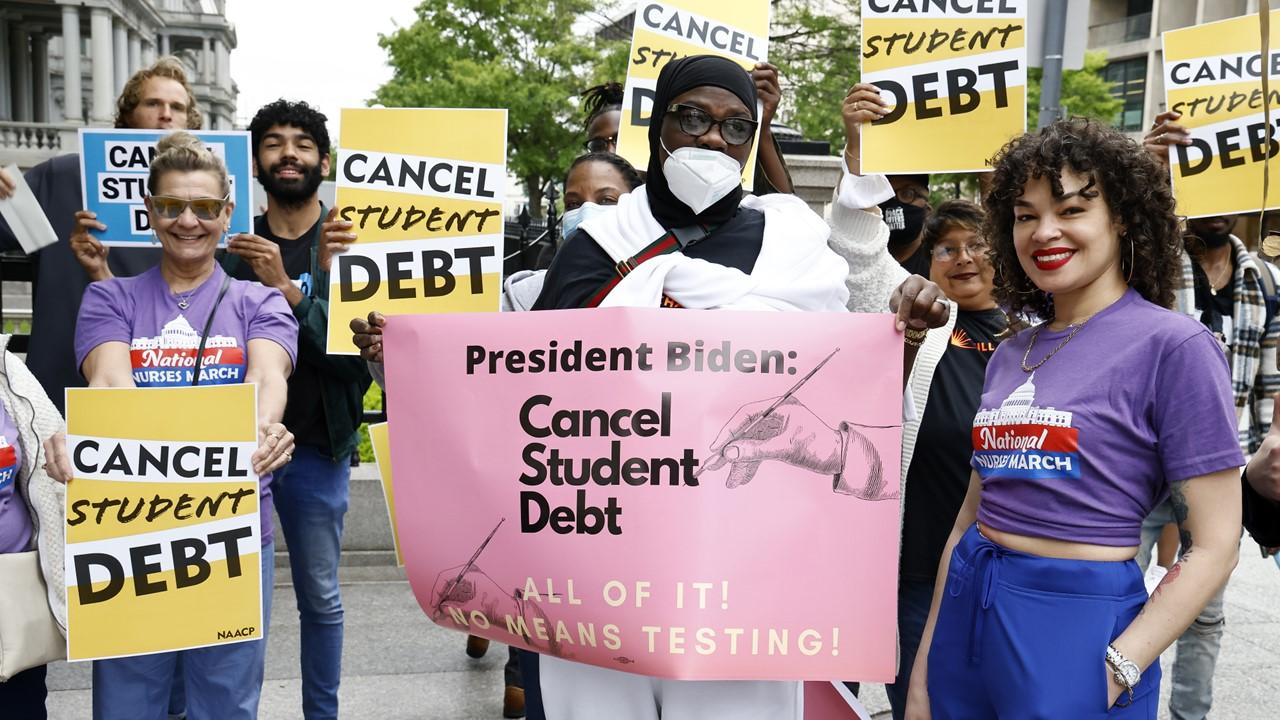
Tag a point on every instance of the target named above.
point(520, 55)
point(1084, 92)
point(816, 45)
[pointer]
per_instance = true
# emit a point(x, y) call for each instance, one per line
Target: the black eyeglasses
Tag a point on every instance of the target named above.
point(601, 144)
point(697, 122)
point(171, 208)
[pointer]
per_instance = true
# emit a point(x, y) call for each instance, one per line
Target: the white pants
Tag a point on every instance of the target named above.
point(576, 691)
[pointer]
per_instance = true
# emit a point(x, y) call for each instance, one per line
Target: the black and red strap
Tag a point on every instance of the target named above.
point(670, 242)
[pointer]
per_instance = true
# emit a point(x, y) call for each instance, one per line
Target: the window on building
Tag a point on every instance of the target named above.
point(1129, 83)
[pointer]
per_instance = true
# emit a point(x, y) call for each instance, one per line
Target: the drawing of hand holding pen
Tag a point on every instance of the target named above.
point(783, 429)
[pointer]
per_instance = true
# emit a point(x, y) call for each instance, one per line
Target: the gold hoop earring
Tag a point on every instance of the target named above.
point(1130, 277)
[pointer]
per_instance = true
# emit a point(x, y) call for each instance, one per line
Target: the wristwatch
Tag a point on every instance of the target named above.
point(1124, 670)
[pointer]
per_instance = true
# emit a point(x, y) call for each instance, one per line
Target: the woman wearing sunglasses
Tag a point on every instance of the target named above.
point(691, 239)
point(145, 331)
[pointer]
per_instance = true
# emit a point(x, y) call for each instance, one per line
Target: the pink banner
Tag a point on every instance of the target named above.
point(694, 495)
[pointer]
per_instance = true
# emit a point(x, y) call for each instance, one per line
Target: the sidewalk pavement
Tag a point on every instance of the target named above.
point(397, 665)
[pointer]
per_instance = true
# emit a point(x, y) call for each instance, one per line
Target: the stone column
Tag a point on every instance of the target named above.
point(135, 52)
point(206, 63)
point(40, 77)
point(120, 41)
point(222, 65)
point(164, 44)
point(148, 52)
point(72, 110)
point(103, 65)
point(6, 111)
point(20, 55)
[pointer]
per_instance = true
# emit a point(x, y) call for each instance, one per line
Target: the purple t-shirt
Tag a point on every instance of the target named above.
point(1085, 446)
point(163, 338)
point(15, 521)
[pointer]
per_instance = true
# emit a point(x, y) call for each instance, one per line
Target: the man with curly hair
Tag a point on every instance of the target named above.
point(290, 159)
point(155, 98)
point(1224, 287)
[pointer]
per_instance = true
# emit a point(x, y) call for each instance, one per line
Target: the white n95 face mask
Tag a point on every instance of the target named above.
point(575, 217)
point(699, 177)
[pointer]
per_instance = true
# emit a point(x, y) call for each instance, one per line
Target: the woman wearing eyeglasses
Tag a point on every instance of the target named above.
point(250, 336)
point(946, 383)
point(693, 240)
point(603, 107)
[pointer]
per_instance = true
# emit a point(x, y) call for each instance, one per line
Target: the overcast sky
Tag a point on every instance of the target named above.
point(322, 51)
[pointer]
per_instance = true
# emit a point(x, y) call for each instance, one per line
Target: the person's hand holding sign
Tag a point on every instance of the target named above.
point(264, 257)
point(367, 335)
point(1165, 132)
point(275, 448)
point(335, 237)
point(8, 186)
point(862, 104)
point(89, 251)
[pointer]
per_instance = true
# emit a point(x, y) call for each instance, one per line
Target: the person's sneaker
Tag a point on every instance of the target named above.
point(476, 648)
point(513, 702)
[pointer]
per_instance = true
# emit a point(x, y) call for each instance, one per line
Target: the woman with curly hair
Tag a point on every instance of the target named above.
point(1087, 421)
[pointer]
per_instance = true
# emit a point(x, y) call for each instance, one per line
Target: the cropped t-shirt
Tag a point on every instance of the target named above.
point(1082, 448)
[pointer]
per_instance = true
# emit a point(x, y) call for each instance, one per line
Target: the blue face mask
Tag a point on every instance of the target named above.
point(573, 218)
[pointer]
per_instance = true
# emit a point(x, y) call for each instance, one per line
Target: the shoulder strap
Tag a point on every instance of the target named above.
point(204, 336)
point(671, 241)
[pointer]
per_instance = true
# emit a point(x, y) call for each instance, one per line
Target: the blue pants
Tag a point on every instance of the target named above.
point(914, 599)
point(1022, 636)
point(311, 498)
point(223, 682)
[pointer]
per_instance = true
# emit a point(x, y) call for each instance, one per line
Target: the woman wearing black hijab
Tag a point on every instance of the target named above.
point(689, 238)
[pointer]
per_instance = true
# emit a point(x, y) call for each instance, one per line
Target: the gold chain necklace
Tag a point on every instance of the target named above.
point(1075, 328)
point(1214, 284)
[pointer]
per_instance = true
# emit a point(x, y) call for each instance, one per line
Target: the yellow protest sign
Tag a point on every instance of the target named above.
point(955, 76)
point(381, 440)
point(672, 29)
point(424, 189)
point(163, 542)
point(1212, 75)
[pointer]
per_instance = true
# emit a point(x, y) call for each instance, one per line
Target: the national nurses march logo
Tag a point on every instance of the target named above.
point(1021, 440)
point(169, 359)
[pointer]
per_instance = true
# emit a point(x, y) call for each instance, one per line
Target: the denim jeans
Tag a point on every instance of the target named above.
point(1192, 689)
point(223, 682)
point(914, 599)
point(311, 498)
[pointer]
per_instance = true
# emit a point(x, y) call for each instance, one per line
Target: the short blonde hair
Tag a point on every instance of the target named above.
point(166, 67)
point(183, 152)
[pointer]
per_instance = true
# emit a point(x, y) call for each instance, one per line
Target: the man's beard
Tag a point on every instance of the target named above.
point(292, 193)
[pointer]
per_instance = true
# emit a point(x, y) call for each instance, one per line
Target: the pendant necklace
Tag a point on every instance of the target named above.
point(184, 301)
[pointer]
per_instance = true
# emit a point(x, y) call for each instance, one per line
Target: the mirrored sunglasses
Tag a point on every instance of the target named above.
point(170, 208)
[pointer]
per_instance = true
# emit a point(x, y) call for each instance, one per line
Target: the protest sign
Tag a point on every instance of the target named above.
point(1212, 76)
point(382, 458)
point(955, 76)
point(113, 171)
point(424, 189)
point(672, 29)
point(163, 544)
point(697, 495)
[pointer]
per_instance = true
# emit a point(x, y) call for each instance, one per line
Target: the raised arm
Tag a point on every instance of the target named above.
point(269, 368)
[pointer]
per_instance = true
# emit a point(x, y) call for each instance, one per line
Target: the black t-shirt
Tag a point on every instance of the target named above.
point(939, 474)
point(304, 413)
point(918, 263)
point(581, 267)
point(1217, 310)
